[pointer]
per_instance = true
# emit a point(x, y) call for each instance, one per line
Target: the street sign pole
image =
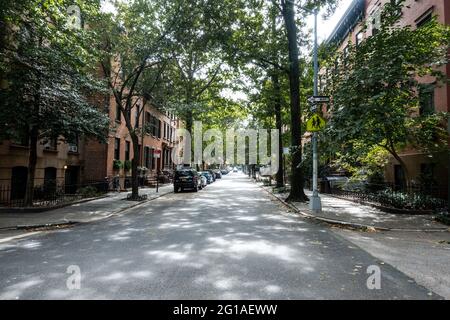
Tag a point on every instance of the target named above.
point(315, 203)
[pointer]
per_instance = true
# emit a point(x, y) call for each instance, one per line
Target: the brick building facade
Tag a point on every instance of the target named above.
point(158, 139)
point(57, 161)
point(415, 13)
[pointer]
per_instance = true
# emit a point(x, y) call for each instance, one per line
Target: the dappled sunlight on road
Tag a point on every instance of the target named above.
point(229, 241)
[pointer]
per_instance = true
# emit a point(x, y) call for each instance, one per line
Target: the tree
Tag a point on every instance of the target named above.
point(198, 61)
point(137, 48)
point(48, 75)
point(377, 95)
point(257, 46)
point(288, 9)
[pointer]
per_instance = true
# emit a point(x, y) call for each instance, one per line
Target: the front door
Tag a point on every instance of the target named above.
point(19, 179)
point(71, 179)
point(399, 177)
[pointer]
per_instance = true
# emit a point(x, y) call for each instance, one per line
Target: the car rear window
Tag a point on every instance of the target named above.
point(184, 173)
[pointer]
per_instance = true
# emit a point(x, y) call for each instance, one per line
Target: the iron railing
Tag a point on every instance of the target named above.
point(51, 194)
point(415, 197)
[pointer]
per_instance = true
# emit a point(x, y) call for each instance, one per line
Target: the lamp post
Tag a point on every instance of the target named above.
point(315, 203)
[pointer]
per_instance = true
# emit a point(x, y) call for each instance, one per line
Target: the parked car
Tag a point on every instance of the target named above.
point(218, 174)
point(186, 179)
point(224, 172)
point(203, 181)
point(213, 174)
point(235, 170)
point(208, 176)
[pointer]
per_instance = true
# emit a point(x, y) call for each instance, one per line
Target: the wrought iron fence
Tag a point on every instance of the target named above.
point(414, 197)
point(51, 194)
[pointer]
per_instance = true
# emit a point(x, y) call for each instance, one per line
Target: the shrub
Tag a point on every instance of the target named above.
point(402, 200)
point(87, 192)
point(444, 217)
point(49, 190)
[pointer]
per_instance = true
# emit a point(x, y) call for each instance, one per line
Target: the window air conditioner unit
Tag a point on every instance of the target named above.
point(73, 148)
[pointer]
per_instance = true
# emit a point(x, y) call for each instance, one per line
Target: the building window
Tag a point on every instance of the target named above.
point(155, 127)
point(425, 18)
point(167, 157)
point(129, 114)
point(73, 144)
point(426, 99)
point(127, 150)
point(336, 67)
point(147, 125)
point(21, 138)
point(158, 124)
point(122, 71)
point(117, 149)
point(346, 54)
point(375, 21)
point(51, 144)
point(153, 164)
point(138, 111)
point(426, 177)
point(359, 38)
point(118, 114)
point(148, 157)
point(50, 179)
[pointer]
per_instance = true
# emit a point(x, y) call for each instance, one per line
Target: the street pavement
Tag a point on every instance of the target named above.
point(424, 256)
point(229, 241)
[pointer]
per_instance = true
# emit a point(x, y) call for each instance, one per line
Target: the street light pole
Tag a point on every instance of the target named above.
point(315, 203)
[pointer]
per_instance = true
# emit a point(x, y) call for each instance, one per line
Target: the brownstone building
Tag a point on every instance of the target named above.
point(85, 161)
point(435, 98)
point(156, 143)
point(57, 161)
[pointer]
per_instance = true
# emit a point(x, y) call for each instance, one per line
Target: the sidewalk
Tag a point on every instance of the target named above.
point(349, 213)
point(422, 254)
point(90, 211)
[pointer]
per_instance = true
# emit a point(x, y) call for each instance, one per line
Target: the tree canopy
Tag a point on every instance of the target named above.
point(376, 88)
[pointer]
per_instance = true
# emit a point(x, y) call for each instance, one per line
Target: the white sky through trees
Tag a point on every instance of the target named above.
point(325, 27)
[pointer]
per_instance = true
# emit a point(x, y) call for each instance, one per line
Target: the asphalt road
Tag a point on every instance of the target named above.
point(229, 241)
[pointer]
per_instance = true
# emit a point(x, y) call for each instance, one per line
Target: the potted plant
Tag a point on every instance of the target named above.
point(127, 165)
point(117, 165)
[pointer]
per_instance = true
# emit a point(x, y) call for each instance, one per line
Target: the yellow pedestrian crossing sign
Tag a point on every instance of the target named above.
point(316, 123)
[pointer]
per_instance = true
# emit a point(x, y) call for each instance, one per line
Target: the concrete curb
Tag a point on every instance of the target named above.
point(357, 226)
point(70, 223)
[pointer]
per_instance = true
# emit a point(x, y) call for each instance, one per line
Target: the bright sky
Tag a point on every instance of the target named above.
point(326, 27)
point(107, 6)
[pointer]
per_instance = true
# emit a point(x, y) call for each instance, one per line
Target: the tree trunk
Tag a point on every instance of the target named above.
point(297, 193)
point(32, 160)
point(279, 124)
point(134, 167)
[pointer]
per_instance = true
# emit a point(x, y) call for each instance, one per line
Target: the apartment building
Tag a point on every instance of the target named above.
point(57, 161)
point(435, 98)
point(156, 141)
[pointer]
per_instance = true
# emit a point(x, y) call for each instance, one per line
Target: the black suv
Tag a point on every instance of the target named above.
point(186, 179)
